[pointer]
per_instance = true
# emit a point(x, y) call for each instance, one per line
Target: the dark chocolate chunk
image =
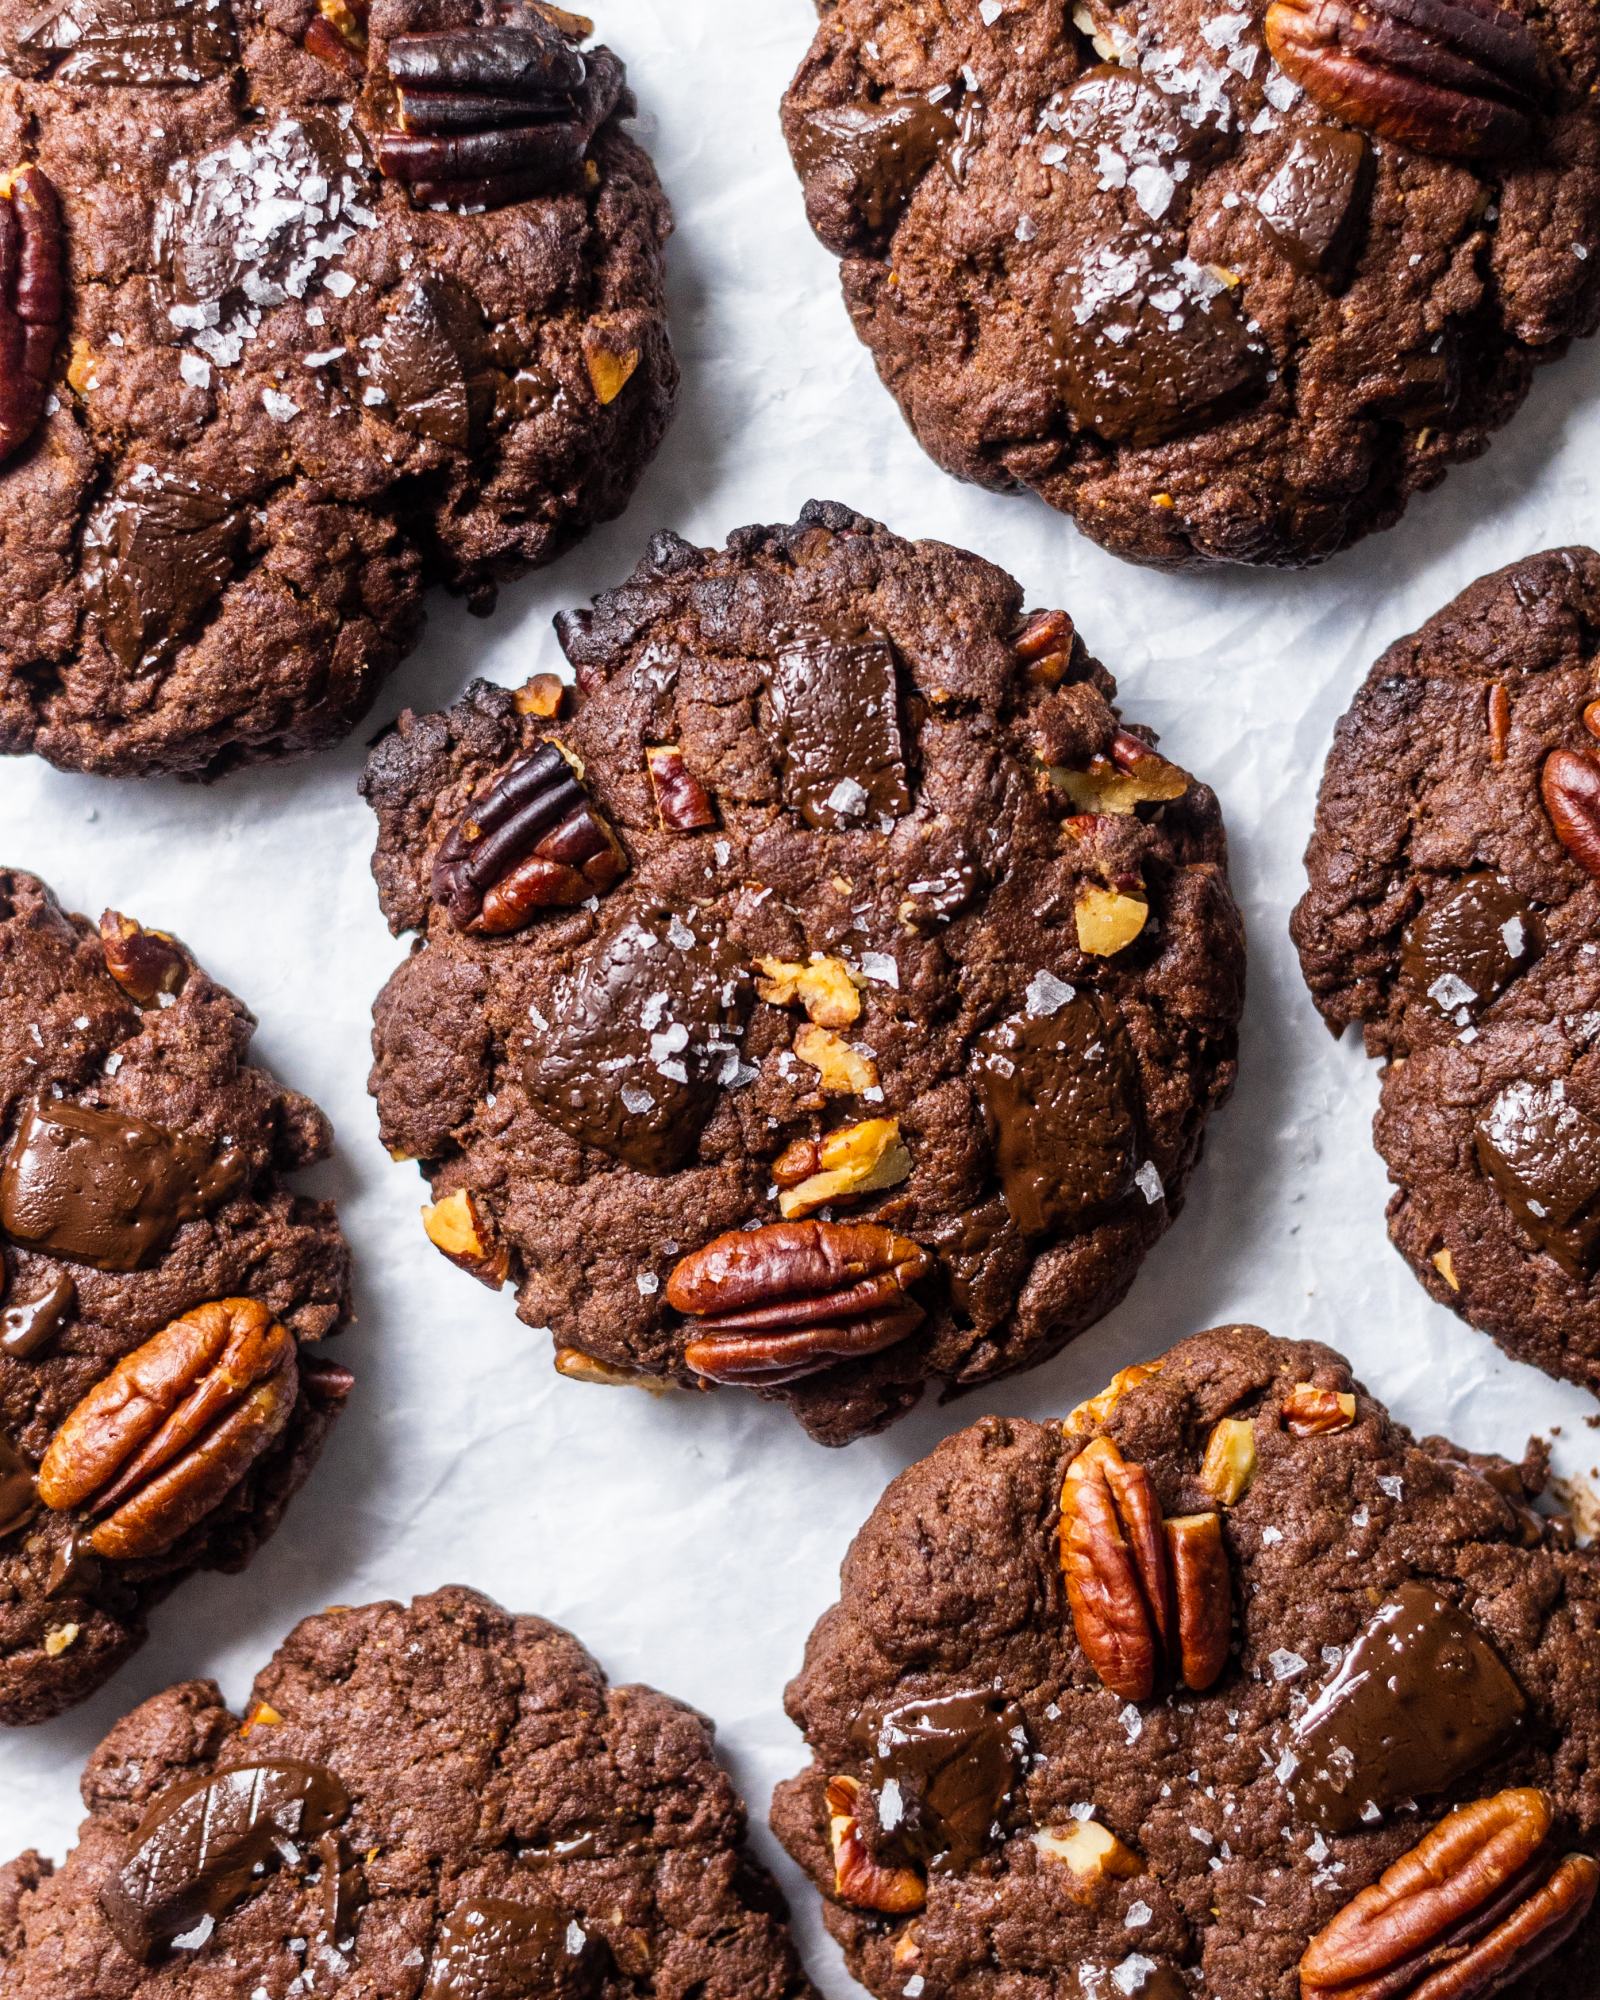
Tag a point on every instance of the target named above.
point(425, 362)
point(1315, 205)
point(156, 556)
point(871, 157)
point(1421, 1699)
point(27, 1326)
point(942, 1771)
point(1543, 1153)
point(640, 1039)
point(1061, 1099)
point(18, 1498)
point(127, 42)
point(205, 1843)
point(106, 1188)
point(493, 1949)
point(836, 699)
point(75, 1569)
point(1143, 125)
point(1467, 945)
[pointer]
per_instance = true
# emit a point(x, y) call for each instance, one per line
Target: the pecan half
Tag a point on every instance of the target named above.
point(532, 842)
point(1114, 1559)
point(783, 1301)
point(1570, 787)
point(174, 1427)
point(145, 964)
point(857, 1878)
point(1202, 1590)
point(32, 284)
point(1458, 78)
point(1475, 1905)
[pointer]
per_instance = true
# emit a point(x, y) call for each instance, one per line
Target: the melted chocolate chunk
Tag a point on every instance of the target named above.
point(156, 556)
point(18, 1498)
point(1149, 344)
point(1467, 945)
point(105, 1188)
point(1543, 1154)
point(872, 156)
point(1315, 205)
point(836, 699)
point(494, 1949)
point(75, 1569)
point(1061, 1098)
point(28, 1326)
point(1421, 1700)
point(427, 363)
point(1117, 109)
point(208, 1841)
point(642, 1035)
point(139, 42)
point(941, 1772)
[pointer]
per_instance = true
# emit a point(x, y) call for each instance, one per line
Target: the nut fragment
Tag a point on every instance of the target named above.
point(1230, 1461)
point(1091, 1852)
point(782, 1301)
point(1499, 707)
point(1458, 78)
point(1312, 1412)
point(161, 1441)
point(852, 1160)
point(1202, 1588)
point(580, 1367)
point(534, 841)
point(544, 695)
point(337, 36)
point(1476, 1904)
point(1107, 920)
point(1131, 775)
point(1045, 646)
point(841, 1070)
point(1570, 787)
point(456, 1226)
point(1097, 1410)
point(610, 370)
point(857, 1878)
point(823, 987)
point(32, 281)
point(1445, 1265)
point(145, 964)
point(1114, 1558)
point(682, 802)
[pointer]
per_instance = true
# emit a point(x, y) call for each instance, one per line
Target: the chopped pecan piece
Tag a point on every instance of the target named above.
point(1202, 1589)
point(842, 1071)
point(338, 36)
point(456, 1226)
point(851, 1160)
point(532, 842)
point(1570, 786)
point(783, 1301)
point(1130, 775)
point(32, 285)
point(145, 964)
point(858, 1879)
point(1108, 921)
point(1458, 78)
point(545, 696)
point(682, 802)
point(1091, 1853)
point(1045, 646)
point(825, 988)
point(174, 1427)
point(1312, 1412)
point(1475, 1905)
point(1230, 1461)
point(1097, 1410)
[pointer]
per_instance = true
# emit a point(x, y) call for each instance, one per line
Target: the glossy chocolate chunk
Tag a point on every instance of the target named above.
point(873, 155)
point(18, 1498)
point(156, 556)
point(27, 1326)
point(836, 700)
point(75, 1569)
point(942, 1771)
point(103, 1187)
point(1061, 1099)
point(1140, 137)
point(640, 1039)
point(492, 1948)
point(1466, 945)
point(147, 43)
point(425, 363)
point(207, 1842)
point(1543, 1154)
point(1315, 205)
point(1421, 1699)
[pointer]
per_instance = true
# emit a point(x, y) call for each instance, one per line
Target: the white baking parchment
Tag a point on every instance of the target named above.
point(693, 1541)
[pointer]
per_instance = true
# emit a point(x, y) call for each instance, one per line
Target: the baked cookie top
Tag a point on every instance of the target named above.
point(310, 310)
point(426, 1802)
point(833, 1000)
point(1226, 284)
point(160, 1291)
point(1226, 1685)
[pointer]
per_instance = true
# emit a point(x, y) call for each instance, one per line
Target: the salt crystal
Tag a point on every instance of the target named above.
point(282, 409)
point(648, 1283)
point(1132, 1723)
point(1448, 991)
point(848, 797)
point(195, 370)
point(1271, 1537)
point(1395, 1488)
point(880, 966)
point(989, 11)
point(1131, 1975)
point(1047, 994)
point(1139, 1914)
point(1285, 1665)
point(1148, 1181)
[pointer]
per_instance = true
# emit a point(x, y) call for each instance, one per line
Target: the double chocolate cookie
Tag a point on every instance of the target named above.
point(433, 1802)
point(832, 1000)
point(1225, 1686)
point(160, 1291)
point(300, 311)
point(1225, 284)
point(1454, 911)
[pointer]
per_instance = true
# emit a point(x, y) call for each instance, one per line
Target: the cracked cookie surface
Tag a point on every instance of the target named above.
point(985, 1814)
point(143, 1166)
point(285, 398)
point(832, 1001)
point(1112, 253)
point(447, 1803)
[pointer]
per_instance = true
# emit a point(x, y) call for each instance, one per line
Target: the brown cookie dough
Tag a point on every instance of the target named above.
point(1452, 910)
point(834, 1000)
point(1142, 1703)
point(291, 383)
point(426, 1802)
point(1112, 252)
point(160, 1291)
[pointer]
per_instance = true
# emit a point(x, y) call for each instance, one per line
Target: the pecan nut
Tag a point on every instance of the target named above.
point(337, 36)
point(145, 964)
point(456, 1225)
point(534, 841)
point(1202, 1591)
point(1475, 1905)
point(1309, 1411)
point(1570, 787)
point(174, 1427)
point(857, 1878)
point(1048, 647)
point(32, 285)
point(1458, 78)
point(682, 802)
point(783, 1301)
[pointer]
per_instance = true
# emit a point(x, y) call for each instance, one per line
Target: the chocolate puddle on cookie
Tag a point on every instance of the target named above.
point(1542, 1153)
point(836, 700)
point(491, 1946)
point(1464, 947)
point(942, 1771)
point(140, 43)
point(27, 1326)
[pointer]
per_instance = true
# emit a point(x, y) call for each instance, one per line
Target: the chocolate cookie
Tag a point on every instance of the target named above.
point(1225, 1686)
point(834, 1000)
point(1452, 911)
point(425, 1802)
point(160, 1290)
point(1223, 284)
point(299, 313)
